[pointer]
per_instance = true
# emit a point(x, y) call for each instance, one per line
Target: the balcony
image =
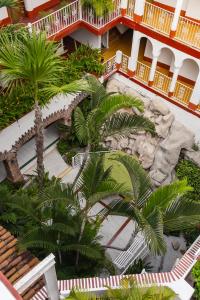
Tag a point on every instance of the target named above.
point(161, 84)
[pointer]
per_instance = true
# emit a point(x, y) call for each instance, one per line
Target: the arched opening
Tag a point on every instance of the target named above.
point(164, 70)
point(144, 59)
point(188, 74)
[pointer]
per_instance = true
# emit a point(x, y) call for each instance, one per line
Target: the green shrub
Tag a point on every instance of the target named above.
point(69, 156)
point(63, 147)
point(196, 276)
point(187, 169)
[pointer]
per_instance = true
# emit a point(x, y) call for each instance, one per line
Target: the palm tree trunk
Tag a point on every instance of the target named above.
point(85, 158)
point(80, 238)
point(39, 140)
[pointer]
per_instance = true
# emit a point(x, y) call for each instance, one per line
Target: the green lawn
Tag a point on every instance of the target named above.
point(119, 173)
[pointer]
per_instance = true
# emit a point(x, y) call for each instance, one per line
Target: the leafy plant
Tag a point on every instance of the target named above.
point(69, 156)
point(100, 7)
point(196, 276)
point(138, 266)
point(63, 147)
point(187, 169)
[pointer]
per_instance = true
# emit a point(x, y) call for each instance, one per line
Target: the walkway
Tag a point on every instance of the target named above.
point(175, 279)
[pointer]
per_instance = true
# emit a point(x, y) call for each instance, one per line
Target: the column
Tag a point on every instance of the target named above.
point(175, 21)
point(51, 284)
point(153, 70)
point(195, 97)
point(174, 80)
point(118, 59)
point(139, 10)
point(132, 64)
point(12, 168)
point(124, 4)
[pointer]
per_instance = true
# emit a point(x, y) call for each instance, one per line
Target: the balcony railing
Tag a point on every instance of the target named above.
point(58, 20)
point(182, 93)
point(142, 72)
point(88, 15)
point(188, 32)
point(130, 8)
point(162, 82)
point(157, 18)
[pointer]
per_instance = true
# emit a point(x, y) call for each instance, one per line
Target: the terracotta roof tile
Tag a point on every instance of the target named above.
point(14, 264)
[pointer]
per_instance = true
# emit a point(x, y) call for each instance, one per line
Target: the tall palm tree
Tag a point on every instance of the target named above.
point(30, 62)
point(56, 220)
point(156, 211)
point(104, 119)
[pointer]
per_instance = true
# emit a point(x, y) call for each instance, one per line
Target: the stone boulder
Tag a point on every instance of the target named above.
point(163, 125)
point(158, 107)
point(168, 152)
point(192, 155)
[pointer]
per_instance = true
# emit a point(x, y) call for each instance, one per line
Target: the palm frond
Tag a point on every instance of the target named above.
point(80, 125)
point(140, 180)
point(123, 124)
point(165, 195)
point(9, 3)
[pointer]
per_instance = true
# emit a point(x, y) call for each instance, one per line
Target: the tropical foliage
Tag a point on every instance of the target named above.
point(30, 66)
point(9, 3)
point(196, 276)
point(128, 291)
point(159, 211)
point(100, 7)
point(104, 118)
point(187, 169)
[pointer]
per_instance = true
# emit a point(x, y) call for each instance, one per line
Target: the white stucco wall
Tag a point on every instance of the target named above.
point(3, 13)
point(193, 9)
point(31, 4)
point(83, 36)
point(189, 70)
point(172, 3)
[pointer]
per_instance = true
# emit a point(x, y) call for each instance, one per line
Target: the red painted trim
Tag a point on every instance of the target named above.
point(118, 66)
point(172, 34)
point(123, 12)
point(131, 73)
point(150, 83)
point(172, 9)
point(170, 94)
point(5, 21)
point(161, 95)
point(137, 18)
point(47, 5)
point(10, 287)
point(159, 63)
point(192, 106)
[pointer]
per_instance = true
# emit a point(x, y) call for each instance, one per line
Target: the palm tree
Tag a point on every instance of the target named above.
point(101, 7)
point(104, 119)
point(30, 62)
point(9, 3)
point(129, 290)
point(56, 220)
point(156, 211)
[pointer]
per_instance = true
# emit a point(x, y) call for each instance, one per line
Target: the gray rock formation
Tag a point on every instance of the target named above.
point(158, 154)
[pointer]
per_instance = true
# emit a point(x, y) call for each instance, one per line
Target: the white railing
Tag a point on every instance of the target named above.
point(137, 250)
point(188, 32)
point(157, 18)
point(58, 20)
point(89, 16)
point(77, 160)
point(131, 8)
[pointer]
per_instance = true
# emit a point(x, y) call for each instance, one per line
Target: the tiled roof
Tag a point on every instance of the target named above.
point(14, 263)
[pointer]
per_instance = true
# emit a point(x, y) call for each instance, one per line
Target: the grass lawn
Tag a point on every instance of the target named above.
point(119, 173)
